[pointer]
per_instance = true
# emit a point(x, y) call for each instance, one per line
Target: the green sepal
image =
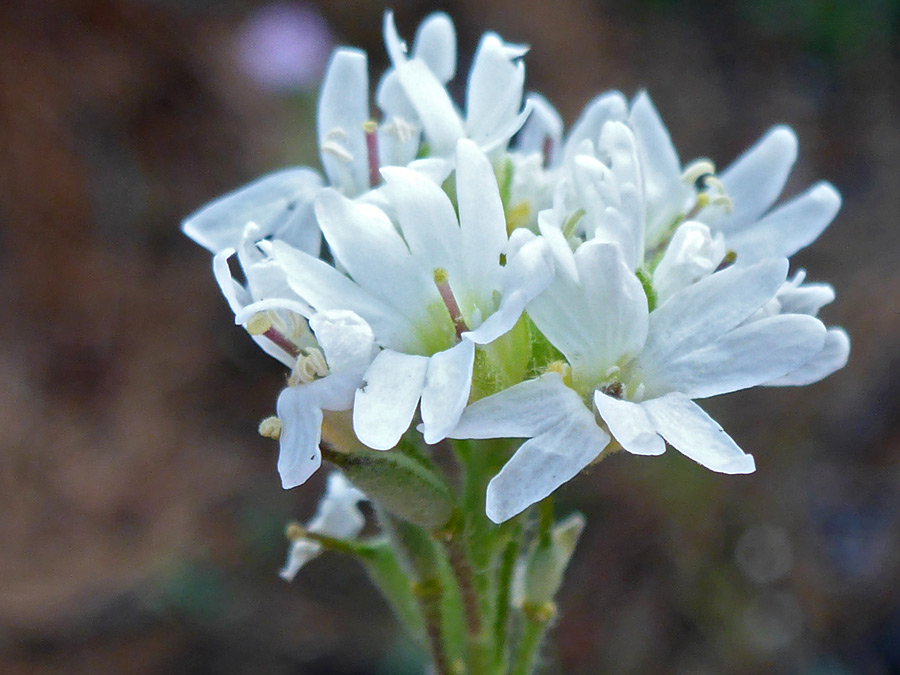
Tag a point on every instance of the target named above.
point(397, 483)
point(546, 564)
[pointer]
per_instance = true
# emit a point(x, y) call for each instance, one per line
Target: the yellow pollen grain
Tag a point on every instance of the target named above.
point(270, 428)
point(258, 324)
point(294, 531)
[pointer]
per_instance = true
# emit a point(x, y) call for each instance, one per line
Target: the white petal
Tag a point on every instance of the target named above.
point(630, 425)
point(599, 321)
point(427, 220)
point(696, 435)
point(708, 309)
point(616, 298)
point(804, 298)
point(790, 227)
point(755, 179)
point(447, 383)
point(384, 407)
point(323, 287)
point(543, 126)
point(346, 340)
point(300, 553)
point(499, 136)
point(338, 514)
point(396, 47)
point(236, 295)
point(482, 223)
point(692, 255)
point(545, 462)
point(524, 410)
point(745, 357)
point(494, 91)
point(608, 106)
point(435, 44)
point(272, 202)
point(343, 109)
point(367, 245)
point(664, 191)
point(526, 275)
point(833, 357)
point(440, 120)
point(300, 411)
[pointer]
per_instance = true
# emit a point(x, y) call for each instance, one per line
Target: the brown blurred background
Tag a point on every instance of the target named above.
point(140, 515)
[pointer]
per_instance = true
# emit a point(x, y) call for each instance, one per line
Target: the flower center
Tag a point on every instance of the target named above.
point(701, 173)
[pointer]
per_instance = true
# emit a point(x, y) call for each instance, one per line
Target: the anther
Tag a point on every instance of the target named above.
point(310, 366)
point(270, 428)
point(443, 286)
point(371, 129)
point(335, 144)
point(698, 170)
point(614, 389)
point(563, 369)
point(727, 261)
point(294, 531)
point(258, 324)
point(261, 324)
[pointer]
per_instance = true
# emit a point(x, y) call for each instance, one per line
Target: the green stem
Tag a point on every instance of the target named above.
point(504, 591)
point(536, 621)
point(429, 595)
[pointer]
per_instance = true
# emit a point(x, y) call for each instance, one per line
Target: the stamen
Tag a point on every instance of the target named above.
point(258, 324)
point(443, 286)
point(270, 428)
point(563, 369)
point(547, 150)
point(310, 366)
point(400, 129)
point(697, 170)
point(335, 144)
point(568, 226)
point(261, 324)
point(294, 531)
point(727, 261)
point(371, 129)
point(614, 389)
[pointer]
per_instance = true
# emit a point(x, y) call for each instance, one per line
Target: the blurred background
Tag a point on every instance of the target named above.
point(141, 517)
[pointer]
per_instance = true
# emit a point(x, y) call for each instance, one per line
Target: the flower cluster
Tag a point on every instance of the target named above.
point(489, 276)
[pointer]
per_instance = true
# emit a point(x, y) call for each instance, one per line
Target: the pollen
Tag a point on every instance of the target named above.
point(563, 369)
point(310, 366)
point(270, 428)
point(294, 531)
point(258, 324)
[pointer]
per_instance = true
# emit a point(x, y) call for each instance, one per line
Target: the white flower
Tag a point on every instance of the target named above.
point(280, 204)
point(323, 379)
point(798, 297)
point(430, 291)
point(493, 94)
point(353, 146)
point(338, 516)
point(638, 370)
point(752, 228)
point(693, 253)
point(267, 295)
